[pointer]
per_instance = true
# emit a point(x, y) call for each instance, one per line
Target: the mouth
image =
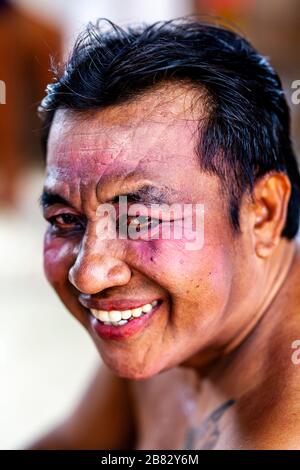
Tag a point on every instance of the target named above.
point(121, 317)
point(120, 324)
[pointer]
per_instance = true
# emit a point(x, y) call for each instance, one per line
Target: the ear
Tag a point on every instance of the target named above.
point(269, 211)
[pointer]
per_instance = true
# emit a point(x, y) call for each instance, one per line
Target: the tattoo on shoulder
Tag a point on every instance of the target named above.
point(206, 435)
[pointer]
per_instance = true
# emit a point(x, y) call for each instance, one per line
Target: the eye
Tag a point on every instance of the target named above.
point(141, 223)
point(65, 222)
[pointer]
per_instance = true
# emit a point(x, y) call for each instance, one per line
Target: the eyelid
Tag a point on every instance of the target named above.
point(152, 215)
point(56, 216)
point(132, 217)
point(52, 217)
point(58, 210)
point(65, 227)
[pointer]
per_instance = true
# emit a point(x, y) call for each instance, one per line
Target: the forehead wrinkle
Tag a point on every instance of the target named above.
point(88, 140)
point(142, 152)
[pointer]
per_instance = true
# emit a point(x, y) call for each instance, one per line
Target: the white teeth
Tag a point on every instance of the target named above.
point(126, 314)
point(137, 312)
point(118, 318)
point(103, 315)
point(114, 315)
point(100, 314)
point(147, 308)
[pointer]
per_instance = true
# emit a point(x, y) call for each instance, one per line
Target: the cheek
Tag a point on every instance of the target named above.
point(58, 258)
point(202, 277)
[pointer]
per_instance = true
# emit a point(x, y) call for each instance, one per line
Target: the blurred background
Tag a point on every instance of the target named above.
point(46, 358)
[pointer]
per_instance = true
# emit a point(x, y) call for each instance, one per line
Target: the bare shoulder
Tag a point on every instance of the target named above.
point(106, 412)
point(270, 421)
point(114, 412)
point(102, 419)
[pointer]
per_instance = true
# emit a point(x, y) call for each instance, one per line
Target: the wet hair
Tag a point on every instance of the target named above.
point(246, 132)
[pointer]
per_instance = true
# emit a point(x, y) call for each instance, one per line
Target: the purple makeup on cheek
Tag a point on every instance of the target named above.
point(155, 254)
point(141, 251)
point(58, 258)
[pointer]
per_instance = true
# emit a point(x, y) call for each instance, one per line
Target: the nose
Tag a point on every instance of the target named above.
point(95, 270)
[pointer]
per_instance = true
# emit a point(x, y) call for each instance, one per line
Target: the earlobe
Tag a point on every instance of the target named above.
point(263, 249)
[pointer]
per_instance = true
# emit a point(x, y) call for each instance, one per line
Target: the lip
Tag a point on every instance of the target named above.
point(122, 332)
point(113, 304)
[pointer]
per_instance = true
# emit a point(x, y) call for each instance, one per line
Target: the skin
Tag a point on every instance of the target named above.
point(213, 367)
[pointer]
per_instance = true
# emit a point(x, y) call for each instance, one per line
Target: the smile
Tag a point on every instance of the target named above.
point(121, 317)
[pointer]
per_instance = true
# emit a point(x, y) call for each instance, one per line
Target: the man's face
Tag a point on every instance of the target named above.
point(145, 150)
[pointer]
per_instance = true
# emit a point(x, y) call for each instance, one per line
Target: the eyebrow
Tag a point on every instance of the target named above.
point(147, 194)
point(49, 199)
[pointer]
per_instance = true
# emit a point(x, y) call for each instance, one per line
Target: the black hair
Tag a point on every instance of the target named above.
point(246, 133)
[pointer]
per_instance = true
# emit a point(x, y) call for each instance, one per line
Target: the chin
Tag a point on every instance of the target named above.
point(133, 372)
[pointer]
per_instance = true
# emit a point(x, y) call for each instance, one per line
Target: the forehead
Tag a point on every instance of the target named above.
point(153, 137)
